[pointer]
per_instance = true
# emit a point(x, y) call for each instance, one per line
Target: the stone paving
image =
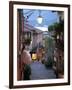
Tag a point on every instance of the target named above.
point(39, 71)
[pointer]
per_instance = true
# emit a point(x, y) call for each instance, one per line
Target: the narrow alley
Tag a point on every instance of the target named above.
point(39, 71)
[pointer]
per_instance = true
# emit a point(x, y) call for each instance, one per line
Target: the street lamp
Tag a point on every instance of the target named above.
point(39, 18)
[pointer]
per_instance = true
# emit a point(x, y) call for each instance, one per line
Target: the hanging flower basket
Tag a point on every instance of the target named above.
point(27, 41)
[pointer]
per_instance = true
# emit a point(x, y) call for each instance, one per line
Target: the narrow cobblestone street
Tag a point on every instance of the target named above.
point(39, 71)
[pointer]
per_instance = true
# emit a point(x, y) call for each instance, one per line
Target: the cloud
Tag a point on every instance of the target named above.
point(42, 28)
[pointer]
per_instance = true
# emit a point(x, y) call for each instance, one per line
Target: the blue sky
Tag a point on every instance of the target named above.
point(49, 17)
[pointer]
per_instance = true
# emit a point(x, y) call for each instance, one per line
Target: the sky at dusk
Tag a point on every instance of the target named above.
point(49, 17)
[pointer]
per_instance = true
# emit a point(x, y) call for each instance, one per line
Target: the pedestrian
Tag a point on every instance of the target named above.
point(25, 64)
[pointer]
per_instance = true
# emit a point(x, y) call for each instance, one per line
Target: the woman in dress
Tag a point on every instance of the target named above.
point(25, 64)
